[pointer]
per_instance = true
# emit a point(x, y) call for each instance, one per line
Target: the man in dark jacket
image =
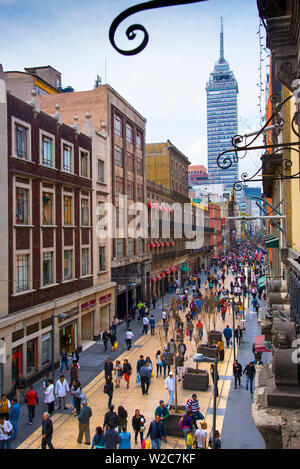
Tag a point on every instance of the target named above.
point(20, 387)
point(105, 338)
point(47, 431)
point(238, 334)
point(156, 432)
point(111, 438)
point(145, 374)
point(110, 418)
point(163, 412)
point(108, 369)
point(237, 373)
point(84, 423)
point(227, 332)
point(249, 371)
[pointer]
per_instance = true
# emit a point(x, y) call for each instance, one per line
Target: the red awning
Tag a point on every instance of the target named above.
point(153, 279)
point(167, 271)
point(149, 204)
point(151, 245)
point(157, 245)
point(166, 244)
point(158, 277)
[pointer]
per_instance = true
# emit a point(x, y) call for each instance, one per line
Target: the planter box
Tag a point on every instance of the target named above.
point(214, 336)
point(173, 420)
point(207, 351)
point(194, 379)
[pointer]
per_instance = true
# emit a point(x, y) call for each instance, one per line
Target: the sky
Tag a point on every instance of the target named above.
point(166, 82)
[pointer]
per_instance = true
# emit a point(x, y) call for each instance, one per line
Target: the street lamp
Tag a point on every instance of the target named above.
point(63, 316)
point(199, 357)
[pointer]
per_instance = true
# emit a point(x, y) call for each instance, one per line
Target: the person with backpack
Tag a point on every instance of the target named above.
point(122, 418)
point(32, 400)
point(110, 418)
point(109, 390)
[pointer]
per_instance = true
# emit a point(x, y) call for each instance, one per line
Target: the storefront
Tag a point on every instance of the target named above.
point(16, 363)
point(68, 338)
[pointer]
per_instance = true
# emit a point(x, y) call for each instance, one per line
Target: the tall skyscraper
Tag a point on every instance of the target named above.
point(222, 118)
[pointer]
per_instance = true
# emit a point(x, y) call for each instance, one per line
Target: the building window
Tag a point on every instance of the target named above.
point(21, 141)
point(130, 247)
point(22, 206)
point(119, 185)
point(139, 142)
point(85, 264)
point(68, 265)
point(84, 164)
point(84, 212)
point(47, 208)
point(100, 171)
point(67, 210)
point(67, 158)
point(22, 272)
point(118, 156)
point(47, 268)
point(120, 248)
point(47, 144)
point(129, 133)
point(130, 190)
point(118, 125)
point(140, 245)
point(140, 193)
point(139, 166)
point(102, 259)
point(130, 162)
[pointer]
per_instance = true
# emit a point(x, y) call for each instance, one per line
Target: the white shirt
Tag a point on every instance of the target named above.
point(6, 427)
point(61, 388)
point(164, 314)
point(200, 435)
point(129, 335)
point(170, 383)
point(145, 321)
point(49, 394)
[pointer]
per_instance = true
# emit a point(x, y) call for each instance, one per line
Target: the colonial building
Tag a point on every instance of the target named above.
point(130, 266)
point(49, 243)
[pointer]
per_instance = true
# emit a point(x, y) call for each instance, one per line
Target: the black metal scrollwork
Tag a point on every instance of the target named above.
point(131, 31)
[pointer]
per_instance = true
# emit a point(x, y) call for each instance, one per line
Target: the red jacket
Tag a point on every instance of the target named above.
point(31, 398)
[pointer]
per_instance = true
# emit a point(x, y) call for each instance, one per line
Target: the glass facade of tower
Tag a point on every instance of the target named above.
point(222, 120)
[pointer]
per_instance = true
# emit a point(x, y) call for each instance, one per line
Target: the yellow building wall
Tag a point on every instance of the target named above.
point(158, 164)
point(295, 192)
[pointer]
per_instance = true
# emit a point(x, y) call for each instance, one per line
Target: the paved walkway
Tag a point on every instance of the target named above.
point(239, 431)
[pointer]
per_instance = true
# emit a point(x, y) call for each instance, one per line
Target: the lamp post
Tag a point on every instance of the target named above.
point(63, 316)
point(203, 358)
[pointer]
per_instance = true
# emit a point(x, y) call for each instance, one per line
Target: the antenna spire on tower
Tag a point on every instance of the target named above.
point(222, 59)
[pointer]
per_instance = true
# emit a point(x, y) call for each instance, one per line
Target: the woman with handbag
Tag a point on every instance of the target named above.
point(118, 373)
point(159, 363)
point(138, 425)
point(127, 371)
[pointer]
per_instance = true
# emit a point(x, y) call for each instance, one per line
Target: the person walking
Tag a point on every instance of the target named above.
point(200, 329)
point(145, 378)
point(64, 361)
point(128, 338)
point(182, 347)
point(227, 332)
point(152, 324)
point(76, 392)
point(127, 371)
point(98, 439)
point(73, 376)
point(200, 437)
point(75, 356)
point(49, 396)
point(238, 334)
point(163, 412)
point(187, 423)
point(112, 338)
point(110, 418)
point(138, 425)
point(190, 328)
point(237, 372)
point(47, 431)
point(193, 406)
point(122, 418)
point(108, 369)
point(20, 387)
point(159, 363)
point(61, 390)
point(179, 363)
point(109, 390)
point(145, 325)
point(5, 406)
point(105, 339)
point(170, 386)
point(6, 430)
point(156, 432)
point(149, 365)
point(84, 423)
point(32, 400)
point(221, 351)
point(212, 374)
point(111, 438)
point(249, 371)
point(118, 373)
point(14, 416)
point(125, 439)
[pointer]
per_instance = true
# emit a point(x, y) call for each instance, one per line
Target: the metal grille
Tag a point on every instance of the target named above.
point(22, 273)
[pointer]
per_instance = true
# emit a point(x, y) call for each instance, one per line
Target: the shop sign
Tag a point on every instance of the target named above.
point(88, 304)
point(105, 298)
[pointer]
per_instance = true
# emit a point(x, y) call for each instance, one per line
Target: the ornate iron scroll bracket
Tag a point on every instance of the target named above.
point(131, 31)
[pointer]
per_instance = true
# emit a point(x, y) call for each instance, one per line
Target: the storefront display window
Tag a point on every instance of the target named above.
point(68, 337)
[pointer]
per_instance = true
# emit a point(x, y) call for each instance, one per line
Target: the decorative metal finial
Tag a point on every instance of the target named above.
point(88, 115)
point(131, 31)
point(57, 107)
